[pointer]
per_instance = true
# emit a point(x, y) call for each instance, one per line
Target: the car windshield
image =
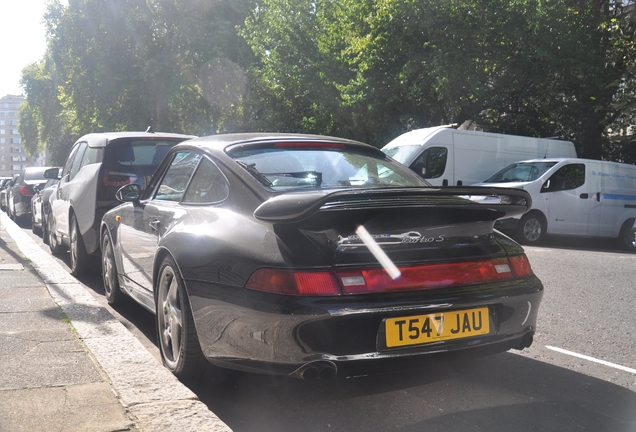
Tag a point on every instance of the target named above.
point(284, 168)
point(402, 153)
point(521, 172)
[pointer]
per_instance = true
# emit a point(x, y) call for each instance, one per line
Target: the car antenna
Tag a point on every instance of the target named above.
point(149, 130)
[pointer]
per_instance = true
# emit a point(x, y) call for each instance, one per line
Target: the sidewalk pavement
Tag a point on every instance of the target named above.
point(66, 364)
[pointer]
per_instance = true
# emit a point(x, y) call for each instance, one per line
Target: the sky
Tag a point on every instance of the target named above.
point(23, 41)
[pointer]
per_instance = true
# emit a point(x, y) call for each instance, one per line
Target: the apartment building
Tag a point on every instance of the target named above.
point(12, 156)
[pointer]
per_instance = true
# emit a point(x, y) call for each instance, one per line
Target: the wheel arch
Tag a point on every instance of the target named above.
point(161, 254)
point(105, 230)
point(626, 218)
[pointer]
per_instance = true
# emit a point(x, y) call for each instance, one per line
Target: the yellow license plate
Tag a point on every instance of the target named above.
point(421, 329)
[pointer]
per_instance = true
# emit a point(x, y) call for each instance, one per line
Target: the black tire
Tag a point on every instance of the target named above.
point(35, 229)
point(54, 244)
point(45, 229)
point(112, 290)
point(78, 256)
point(532, 228)
point(626, 236)
point(178, 341)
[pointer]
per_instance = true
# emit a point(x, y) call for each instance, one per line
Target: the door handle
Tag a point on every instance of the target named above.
point(598, 196)
point(154, 225)
point(584, 196)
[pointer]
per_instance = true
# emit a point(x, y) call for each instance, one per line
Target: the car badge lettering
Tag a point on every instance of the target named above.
point(410, 237)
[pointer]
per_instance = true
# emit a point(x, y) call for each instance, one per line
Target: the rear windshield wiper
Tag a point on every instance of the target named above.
point(251, 168)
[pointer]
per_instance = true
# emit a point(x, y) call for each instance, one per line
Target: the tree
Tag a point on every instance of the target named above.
point(126, 64)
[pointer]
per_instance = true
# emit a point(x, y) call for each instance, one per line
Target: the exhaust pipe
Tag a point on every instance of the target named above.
point(524, 342)
point(323, 370)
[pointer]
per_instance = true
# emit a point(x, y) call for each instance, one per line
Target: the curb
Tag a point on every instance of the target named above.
point(147, 390)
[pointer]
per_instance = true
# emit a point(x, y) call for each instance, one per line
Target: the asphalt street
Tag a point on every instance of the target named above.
point(580, 373)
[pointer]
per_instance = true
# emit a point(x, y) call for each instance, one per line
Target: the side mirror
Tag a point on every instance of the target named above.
point(546, 186)
point(52, 173)
point(128, 193)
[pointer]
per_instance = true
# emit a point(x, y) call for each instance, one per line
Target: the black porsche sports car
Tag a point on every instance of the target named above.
point(304, 255)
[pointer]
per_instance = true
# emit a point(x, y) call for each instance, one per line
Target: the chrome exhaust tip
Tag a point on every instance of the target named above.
point(323, 370)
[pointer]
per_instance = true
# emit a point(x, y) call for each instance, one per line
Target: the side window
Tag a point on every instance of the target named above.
point(69, 161)
point(91, 155)
point(208, 185)
point(174, 182)
point(567, 177)
point(75, 166)
point(431, 163)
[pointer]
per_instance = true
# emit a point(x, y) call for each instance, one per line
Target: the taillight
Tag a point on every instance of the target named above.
point(377, 280)
point(309, 144)
point(293, 283)
point(112, 178)
point(26, 191)
point(426, 276)
point(521, 266)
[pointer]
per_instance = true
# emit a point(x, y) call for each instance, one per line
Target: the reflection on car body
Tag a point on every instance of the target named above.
point(263, 252)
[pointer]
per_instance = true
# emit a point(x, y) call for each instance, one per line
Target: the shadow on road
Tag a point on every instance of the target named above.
point(504, 392)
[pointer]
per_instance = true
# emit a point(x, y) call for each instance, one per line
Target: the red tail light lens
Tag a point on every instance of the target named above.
point(521, 266)
point(293, 283)
point(26, 191)
point(309, 144)
point(414, 278)
point(112, 178)
point(426, 277)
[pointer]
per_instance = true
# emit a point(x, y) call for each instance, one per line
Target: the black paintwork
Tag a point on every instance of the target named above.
point(218, 246)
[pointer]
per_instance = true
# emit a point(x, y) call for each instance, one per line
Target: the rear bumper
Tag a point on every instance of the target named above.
point(22, 207)
point(280, 335)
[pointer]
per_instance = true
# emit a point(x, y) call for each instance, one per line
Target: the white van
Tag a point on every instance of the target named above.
point(445, 156)
point(572, 197)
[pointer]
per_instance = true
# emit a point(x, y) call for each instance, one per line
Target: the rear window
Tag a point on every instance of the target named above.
point(328, 166)
point(133, 153)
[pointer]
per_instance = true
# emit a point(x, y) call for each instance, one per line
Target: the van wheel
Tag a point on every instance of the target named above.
point(626, 237)
point(532, 228)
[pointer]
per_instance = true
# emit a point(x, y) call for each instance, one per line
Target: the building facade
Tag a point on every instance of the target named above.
point(12, 156)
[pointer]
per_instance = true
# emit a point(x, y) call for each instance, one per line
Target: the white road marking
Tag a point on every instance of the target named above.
point(592, 359)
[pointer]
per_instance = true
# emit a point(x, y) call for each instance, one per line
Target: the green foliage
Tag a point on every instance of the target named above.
point(126, 64)
point(363, 69)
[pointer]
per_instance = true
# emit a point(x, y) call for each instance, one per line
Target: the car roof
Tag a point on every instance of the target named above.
point(102, 139)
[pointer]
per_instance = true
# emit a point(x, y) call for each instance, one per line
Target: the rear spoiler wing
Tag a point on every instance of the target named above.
point(497, 203)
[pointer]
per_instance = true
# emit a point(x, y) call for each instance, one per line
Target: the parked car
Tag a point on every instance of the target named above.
point(5, 182)
point(21, 192)
point(306, 255)
point(572, 197)
point(40, 203)
point(98, 165)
